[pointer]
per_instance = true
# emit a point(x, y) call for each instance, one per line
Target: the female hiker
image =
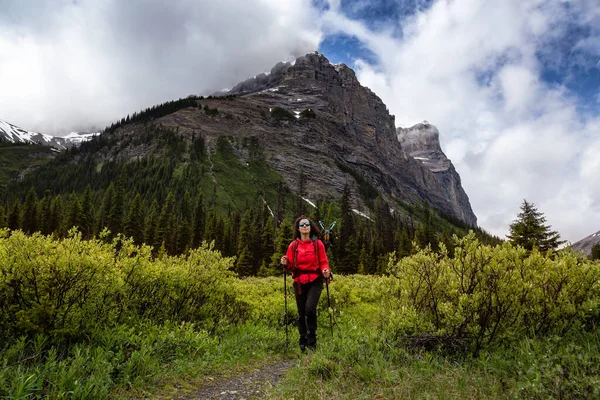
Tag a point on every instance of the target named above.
point(307, 259)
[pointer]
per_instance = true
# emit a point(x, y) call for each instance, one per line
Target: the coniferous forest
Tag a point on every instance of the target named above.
point(184, 194)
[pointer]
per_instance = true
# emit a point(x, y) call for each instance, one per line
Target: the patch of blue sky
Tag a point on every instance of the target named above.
point(342, 48)
point(565, 63)
point(382, 12)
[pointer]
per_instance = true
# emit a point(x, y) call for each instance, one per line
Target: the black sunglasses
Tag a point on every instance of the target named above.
point(301, 224)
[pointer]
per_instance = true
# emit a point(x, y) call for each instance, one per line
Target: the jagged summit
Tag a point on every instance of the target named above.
point(13, 134)
point(422, 142)
point(313, 82)
point(279, 73)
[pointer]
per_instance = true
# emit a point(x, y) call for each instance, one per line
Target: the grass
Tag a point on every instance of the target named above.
point(130, 362)
point(359, 364)
point(238, 182)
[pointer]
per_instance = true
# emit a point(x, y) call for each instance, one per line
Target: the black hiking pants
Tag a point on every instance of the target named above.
point(307, 302)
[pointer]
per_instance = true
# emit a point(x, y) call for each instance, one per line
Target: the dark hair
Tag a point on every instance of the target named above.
point(315, 232)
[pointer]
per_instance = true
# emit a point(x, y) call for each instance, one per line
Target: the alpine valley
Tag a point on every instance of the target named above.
point(236, 167)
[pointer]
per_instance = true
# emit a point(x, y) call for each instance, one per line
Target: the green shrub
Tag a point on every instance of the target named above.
point(308, 113)
point(485, 295)
point(66, 288)
point(279, 114)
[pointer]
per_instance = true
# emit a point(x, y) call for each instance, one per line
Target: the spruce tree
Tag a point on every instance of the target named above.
point(347, 231)
point(58, 216)
point(211, 228)
point(30, 212)
point(184, 236)
point(46, 214)
point(267, 244)
point(243, 265)
point(384, 225)
point(88, 222)
point(134, 224)
point(151, 226)
point(230, 232)
point(75, 214)
point(404, 245)
point(166, 225)
point(199, 221)
point(106, 207)
point(283, 238)
point(14, 216)
point(3, 220)
point(530, 231)
point(244, 262)
point(117, 206)
point(595, 252)
point(184, 228)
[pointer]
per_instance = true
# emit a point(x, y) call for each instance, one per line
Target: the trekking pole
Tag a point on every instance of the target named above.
point(285, 321)
point(329, 306)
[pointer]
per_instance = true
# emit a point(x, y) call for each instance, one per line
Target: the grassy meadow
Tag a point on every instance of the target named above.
point(107, 319)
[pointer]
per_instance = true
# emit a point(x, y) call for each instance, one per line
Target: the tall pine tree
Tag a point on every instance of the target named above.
point(530, 231)
point(244, 263)
point(166, 225)
point(3, 221)
point(199, 221)
point(151, 226)
point(46, 214)
point(30, 212)
point(14, 216)
point(134, 224)
point(88, 222)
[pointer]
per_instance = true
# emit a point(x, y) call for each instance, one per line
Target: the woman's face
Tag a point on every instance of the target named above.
point(304, 226)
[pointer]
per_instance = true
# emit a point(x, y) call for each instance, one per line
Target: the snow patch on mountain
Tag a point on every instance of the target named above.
point(14, 134)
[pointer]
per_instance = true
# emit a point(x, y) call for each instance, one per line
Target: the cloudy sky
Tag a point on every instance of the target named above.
point(513, 86)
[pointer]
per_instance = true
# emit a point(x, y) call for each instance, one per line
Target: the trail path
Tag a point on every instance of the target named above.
point(245, 385)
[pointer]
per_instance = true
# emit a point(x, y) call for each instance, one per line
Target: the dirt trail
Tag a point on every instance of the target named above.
point(246, 385)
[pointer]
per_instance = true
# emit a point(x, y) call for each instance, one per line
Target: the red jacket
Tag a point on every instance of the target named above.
point(307, 260)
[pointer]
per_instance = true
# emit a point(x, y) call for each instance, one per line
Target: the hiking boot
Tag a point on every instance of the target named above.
point(311, 340)
point(302, 343)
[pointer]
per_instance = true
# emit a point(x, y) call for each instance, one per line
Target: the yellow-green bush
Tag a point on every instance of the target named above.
point(486, 294)
point(67, 287)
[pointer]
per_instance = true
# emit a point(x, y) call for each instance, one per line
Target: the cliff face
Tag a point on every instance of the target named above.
point(350, 138)
point(422, 142)
point(587, 243)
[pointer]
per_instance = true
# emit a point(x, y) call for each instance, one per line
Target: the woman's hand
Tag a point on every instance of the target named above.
point(326, 273)
point(284, 260)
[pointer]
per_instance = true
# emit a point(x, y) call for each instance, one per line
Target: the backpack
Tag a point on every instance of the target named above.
point(328, 235)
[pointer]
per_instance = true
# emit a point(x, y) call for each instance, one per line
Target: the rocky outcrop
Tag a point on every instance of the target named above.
point(587, 243)
point(422, 142)
point(347, 137)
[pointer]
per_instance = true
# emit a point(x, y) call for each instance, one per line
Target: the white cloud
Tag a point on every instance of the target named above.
point(473, 68)
point(87, 63)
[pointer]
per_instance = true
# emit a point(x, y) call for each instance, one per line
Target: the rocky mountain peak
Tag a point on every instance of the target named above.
point(14, 134)
point(587, 243)
point(318, 128)
point(422, 142)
